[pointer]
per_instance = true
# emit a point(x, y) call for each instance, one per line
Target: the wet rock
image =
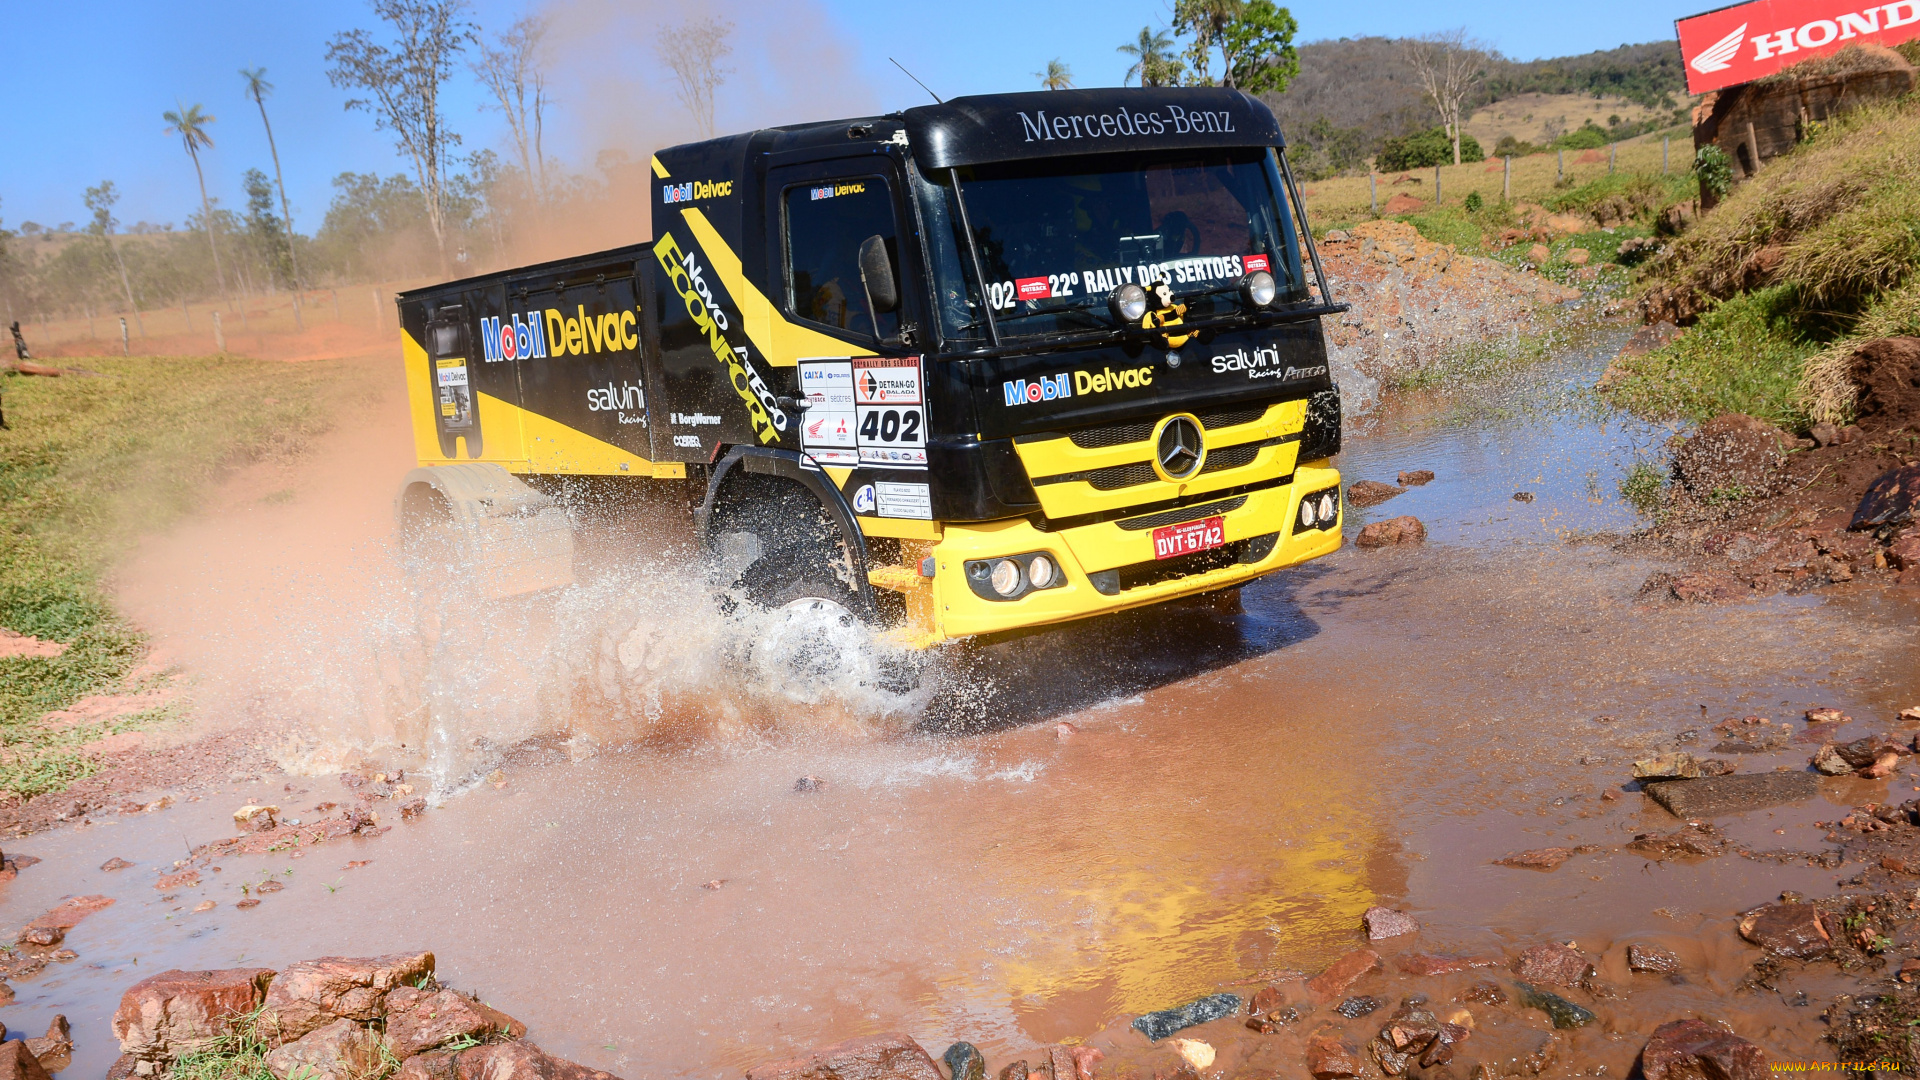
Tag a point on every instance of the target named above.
point(1329, 1058)
point(1486, 993)
point(1441, 1050)
point(185, 879)
point(964, 1062)
point(419, 1020)
point(1365, 493)
point(412, 808)
point(874, 1057)
point(1702, 587)
point(342, 1050)
point(1792, 930)
point(54, 1050)
point(1731, 456)
point(1697, 841)
point(1826, 714)
point(1195, 1053)
point(809, 783)
point(1678, 765)
point(18, 1063)
point(115, 863)
point(1828, 761)
point(1560, 1012)
point(67, 915)
point(1356, 1007)
point(1393, 531)
point(1909, 970)
point(1904, 554)
point(1064, 731)
point(1761, 738)
point(1268, 1011)
point(312, 994)
point(1382, 922)
point(1685, 1049)
point(1652, 959)
point(176, 1012)
point(1015, 1070)
point(1523, 496)
point(1158, 1025)
point(1538, 858)
point(1882, 767)
point(1722, 795)
point(1890, 500)
point(1331, 985)
point(40, 935)
point(1554, 965)
point(1415, 477)
point(496, 1061)
point(254, 818)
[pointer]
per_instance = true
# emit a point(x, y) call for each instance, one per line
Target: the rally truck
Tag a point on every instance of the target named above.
point(964, 370)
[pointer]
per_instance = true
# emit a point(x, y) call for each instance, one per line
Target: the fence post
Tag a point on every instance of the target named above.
point(219, 335)
point(1560, 169)
point(336, 304)
point(1506, 181)
point(1436, 185)
point(1665, 142)
point(1611, 149)
point(187, 314)
point(1373, 194)
point(126, 347)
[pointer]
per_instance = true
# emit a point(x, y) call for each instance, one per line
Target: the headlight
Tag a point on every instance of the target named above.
point(1006, 577)
point(1307, 514)
point(1258, 287)
point(1129, 303)
point(1041, 571)
point(1327, 507)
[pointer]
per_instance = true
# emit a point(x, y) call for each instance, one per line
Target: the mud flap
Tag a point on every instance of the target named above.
point(509, 539)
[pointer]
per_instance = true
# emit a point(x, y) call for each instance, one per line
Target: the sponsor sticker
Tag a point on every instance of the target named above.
point(1263, 362)
point(863, 499)
point(1255, 262)
point(827, 425)
point(886, 381)
point(1032, 288)
point(1199, 269)
point(903, 500)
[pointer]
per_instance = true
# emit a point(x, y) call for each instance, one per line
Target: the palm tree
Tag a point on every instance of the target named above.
point(1152, 58)
point(258, 88)
point(1058, 76)
point(191, 125)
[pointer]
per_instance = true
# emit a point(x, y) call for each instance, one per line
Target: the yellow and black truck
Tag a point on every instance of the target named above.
point(976, 367)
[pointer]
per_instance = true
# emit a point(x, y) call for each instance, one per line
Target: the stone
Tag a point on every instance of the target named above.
point(1719, 796)
point(1685, 1049)
point(1562, 1013)
point(1554, 965)
point(1384, 922)
point(1731, 456)
point(1429, 964)
point(1195, 1053)
point(40, 935)
point(870, 1057)
point(1652, 959)
point(1064, 730)
point(54, 1050)
point(1538, 254)
point(1890, 499)
point(517, 1060)
point(1826, 714)
point(1356, 1007)
point(1158, 1025)
point(18, 1063)
point(115, 863)
point(412, 808)
point(1909, 969)
point(809, 784)
point(1883, 766)
point(1393, 531)
point(1523, 496)
point(965, 1062)
point(1331, 985)
point(1792, 930)
point(1537, 859)
point(1365, 493)
point(1695, 841)
point(309, 995)
point(176, 1012)
point(68, 913)
point(253, 818)
point(1415, 477)
point(419, 1020)
point(342, 1050)
point(185, 879)
point(1677, 765)
point(1904, 554)
point(1329, 1058)
point(1578, 256)
point(1486, 993)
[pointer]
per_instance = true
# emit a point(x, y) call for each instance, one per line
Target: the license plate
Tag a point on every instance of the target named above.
point(1189, 537)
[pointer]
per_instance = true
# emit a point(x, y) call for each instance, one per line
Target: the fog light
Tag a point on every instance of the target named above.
point(1129, 303)
point(1041, 572)
point(1258, 288)
point(1006, 577)
point(1307, 517)
point(1327, 507)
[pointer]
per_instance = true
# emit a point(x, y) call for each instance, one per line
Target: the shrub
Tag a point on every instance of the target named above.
point(1474, 202)
point(1588, 136)
point(1715, 171)
point(1425, 149)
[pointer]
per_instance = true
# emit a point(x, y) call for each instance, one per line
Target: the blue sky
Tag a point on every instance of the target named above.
point(90, 80)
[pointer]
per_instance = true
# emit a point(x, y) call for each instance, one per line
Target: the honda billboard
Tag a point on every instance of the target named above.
point(1749, 41)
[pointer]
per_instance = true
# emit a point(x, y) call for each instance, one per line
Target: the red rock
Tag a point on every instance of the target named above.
point(1904, 553)
point(1429, 964)
point(1265, 1000)
point(115, 863)
point(873, 1057)
point(496, 1061)
point(1652, 959)
point(185, 879)
point(1084, 1060)
point(310, 995)
point(1331, 984)
point(1791, 930)
point(54, 1050)
point(1538, 859)
point(1382, 922)
point(1400, 530)
point(1416, 477)
point(342, 1050)
point(18, 1063)
point(1553, 965)
point(1328, 1058)
point(178, 1011)
point(1686, 1049)
point(71, 911)
point(419, 1020)
point(1365, 493)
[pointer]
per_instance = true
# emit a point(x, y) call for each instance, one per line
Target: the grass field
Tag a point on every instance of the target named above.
point(90, 463)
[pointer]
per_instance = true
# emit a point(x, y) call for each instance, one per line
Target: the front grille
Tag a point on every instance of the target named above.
point(1231, 457)
point(1185, 513)
point(1220, 418)
point(1115, 477)
point(1200, 562)
point(1132, 431)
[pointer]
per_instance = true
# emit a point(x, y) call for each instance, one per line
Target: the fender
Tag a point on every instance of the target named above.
point(773, 461)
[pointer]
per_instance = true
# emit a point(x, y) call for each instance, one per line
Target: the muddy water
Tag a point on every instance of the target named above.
point(1375, 728)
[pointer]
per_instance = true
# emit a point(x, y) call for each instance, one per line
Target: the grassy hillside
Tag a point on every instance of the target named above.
point(89, 463)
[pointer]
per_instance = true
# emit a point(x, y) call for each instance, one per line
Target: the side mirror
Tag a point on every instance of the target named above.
point(876, 272)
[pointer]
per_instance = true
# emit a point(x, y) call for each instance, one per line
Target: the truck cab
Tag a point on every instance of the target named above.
point(986, 365)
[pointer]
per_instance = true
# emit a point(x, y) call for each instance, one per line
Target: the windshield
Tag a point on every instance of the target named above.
point(1055, 239)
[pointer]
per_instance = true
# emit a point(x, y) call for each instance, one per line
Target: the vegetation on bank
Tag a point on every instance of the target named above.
point(89, 462)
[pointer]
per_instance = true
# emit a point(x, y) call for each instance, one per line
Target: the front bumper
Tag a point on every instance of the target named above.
point(1132, 576)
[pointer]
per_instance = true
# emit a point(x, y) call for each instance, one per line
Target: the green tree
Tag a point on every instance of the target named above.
point(1258, 48)
point(1153, 60)
point(258, 88)
point(191, 125)
point(1058, 76)
point(1425, 149)
point(100, 200)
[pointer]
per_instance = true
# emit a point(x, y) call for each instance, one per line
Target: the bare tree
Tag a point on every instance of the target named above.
point(1450, 65)
point(190, 124)
point(258, 88)
point(512, 73)
point(693, 50)
point(100, 200)
point(403, 82)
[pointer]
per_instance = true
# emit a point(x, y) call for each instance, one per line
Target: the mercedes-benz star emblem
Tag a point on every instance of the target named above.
point(1180, 448)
